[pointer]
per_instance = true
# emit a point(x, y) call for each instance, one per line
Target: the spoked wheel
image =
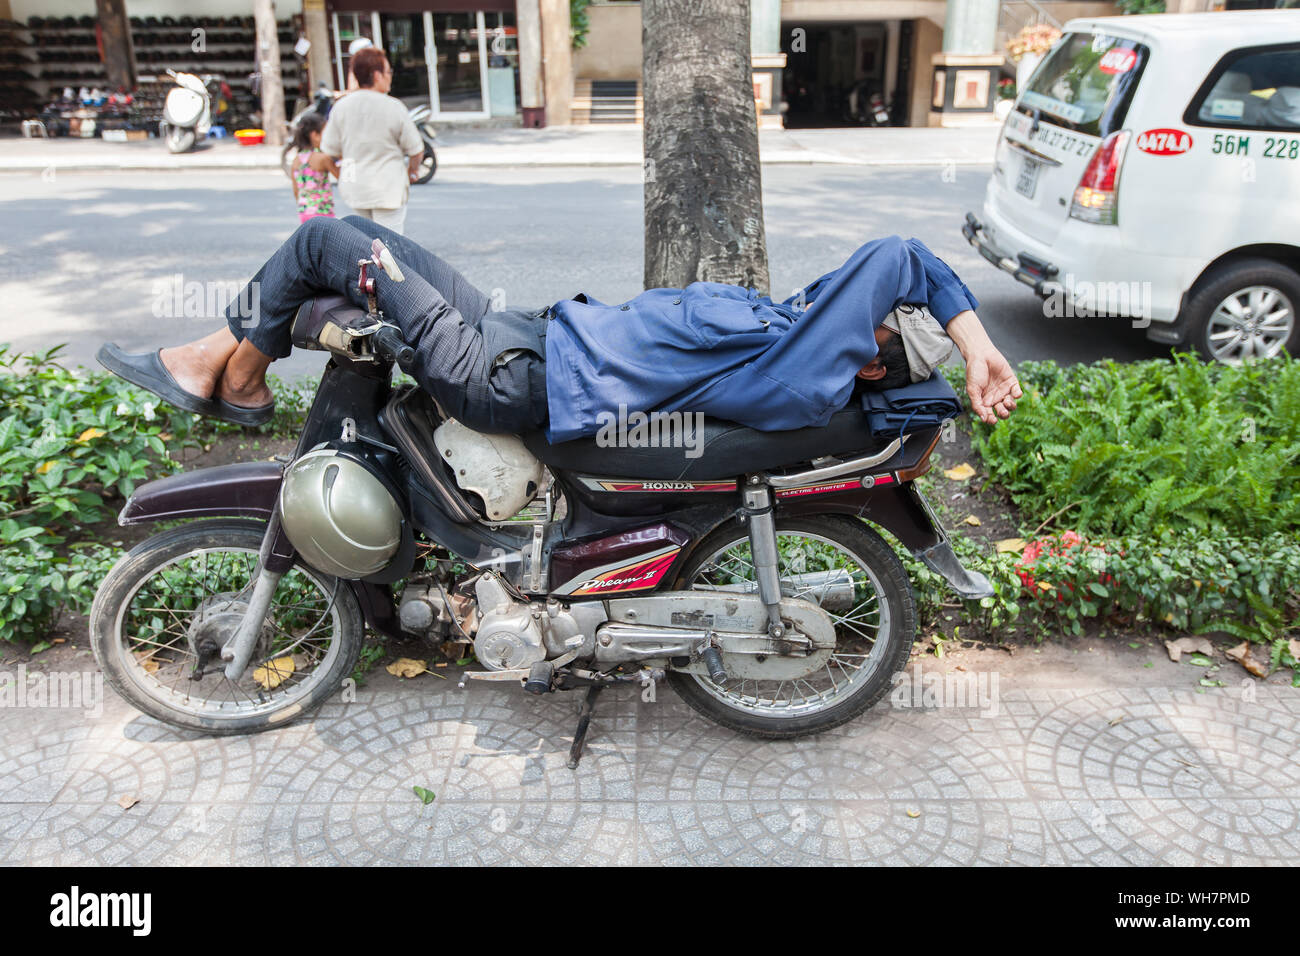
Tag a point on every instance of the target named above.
point(168, 606)
point(845, 567)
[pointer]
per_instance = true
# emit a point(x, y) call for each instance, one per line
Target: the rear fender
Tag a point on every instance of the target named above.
point(900, 509)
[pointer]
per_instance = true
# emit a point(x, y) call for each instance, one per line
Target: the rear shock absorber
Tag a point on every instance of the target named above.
point(758, 514)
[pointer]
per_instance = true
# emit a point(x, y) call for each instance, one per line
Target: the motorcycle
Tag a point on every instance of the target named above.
point(323, 102)
point(866, 106)
point(187, 111)
point(750, 576)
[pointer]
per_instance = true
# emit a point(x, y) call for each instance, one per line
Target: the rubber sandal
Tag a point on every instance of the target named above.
point(239, 415)
point(146, 370)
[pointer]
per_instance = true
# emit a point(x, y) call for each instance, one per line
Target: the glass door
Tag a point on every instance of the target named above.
point(460, 54)
point(406, 44)
point(349, 27)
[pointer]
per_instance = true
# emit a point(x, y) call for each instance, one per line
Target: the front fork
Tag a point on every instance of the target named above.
point(273, 559)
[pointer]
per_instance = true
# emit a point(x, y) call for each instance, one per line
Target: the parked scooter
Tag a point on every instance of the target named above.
point(323, 102)
point(188, 110)
point(866, 105)
point(745, 575)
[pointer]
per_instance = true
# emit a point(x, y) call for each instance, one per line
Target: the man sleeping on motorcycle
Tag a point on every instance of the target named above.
point(720, 350)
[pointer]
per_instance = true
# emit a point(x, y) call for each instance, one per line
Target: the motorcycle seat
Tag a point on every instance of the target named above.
point(726, 450)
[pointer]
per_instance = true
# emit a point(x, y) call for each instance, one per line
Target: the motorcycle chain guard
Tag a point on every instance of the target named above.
point(680, 623)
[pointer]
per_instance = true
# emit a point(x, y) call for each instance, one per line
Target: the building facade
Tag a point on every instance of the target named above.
point(930, 62)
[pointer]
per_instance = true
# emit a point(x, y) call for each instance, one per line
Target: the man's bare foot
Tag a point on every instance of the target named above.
point(243, 383)
point(197, 365)
point(243, 394)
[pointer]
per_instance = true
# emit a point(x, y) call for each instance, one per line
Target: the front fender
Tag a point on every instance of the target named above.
point(244, 490)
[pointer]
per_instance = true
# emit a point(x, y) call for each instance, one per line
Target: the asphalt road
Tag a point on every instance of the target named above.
point(88, 257)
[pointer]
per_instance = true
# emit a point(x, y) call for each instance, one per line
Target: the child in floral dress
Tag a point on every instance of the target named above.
point(311, 170)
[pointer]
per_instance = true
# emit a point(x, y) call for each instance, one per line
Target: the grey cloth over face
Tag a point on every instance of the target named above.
point(926, 343)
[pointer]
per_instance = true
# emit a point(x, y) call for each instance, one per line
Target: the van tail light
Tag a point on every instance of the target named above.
point(1096, 198)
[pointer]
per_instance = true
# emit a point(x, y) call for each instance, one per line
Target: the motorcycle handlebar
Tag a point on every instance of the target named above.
point(390, 345)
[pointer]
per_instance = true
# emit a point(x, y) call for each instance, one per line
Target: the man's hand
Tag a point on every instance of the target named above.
point(991, 385)
point(990, 382)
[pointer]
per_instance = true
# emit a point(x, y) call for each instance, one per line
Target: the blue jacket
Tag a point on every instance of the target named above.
point(734, 354)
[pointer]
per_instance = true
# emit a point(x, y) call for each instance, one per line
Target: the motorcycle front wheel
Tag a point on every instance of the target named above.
point(164, 611)
point(179, 139)
point(845, 567)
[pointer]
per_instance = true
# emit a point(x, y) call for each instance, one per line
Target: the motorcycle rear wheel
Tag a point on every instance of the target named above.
point(428, 165)
point(873, 638)
point(178, 593)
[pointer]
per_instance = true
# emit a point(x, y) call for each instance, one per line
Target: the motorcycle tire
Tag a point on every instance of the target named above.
point(428, 165)
point(888, 655)
point(121, 604)
point(179, 139)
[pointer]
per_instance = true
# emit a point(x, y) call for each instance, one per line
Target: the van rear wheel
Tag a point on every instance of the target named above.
point(1245, 309)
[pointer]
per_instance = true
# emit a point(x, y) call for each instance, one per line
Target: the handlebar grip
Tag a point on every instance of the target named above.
point(389, 344)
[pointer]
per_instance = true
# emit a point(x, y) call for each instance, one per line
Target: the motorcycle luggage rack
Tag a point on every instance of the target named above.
point(837, 470)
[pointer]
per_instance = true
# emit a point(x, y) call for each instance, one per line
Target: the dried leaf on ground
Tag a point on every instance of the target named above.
point(962, 472)
point(273, 673)
point(973, 521)
point(126, 803)
point(1243, 656)
point(1010, 545)
point(407, 667)
point(1188, 645)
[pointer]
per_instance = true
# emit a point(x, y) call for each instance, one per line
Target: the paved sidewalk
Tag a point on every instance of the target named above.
point(567, 146)
point(1130, 773)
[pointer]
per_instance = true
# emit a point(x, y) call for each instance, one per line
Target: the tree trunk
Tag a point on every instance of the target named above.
point(115, 35)
point(268, 64)
point(703, 188)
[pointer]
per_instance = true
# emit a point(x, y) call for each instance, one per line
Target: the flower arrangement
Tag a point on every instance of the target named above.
point(1037, 38)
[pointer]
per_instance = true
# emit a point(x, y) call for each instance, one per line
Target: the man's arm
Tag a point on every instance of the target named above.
point(990, 382)
point(412, 146)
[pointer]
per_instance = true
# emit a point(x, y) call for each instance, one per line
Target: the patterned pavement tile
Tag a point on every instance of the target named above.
point(1116, 776)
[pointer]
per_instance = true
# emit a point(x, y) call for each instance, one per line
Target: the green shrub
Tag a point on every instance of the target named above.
point(1140, 448)
point(72, 445)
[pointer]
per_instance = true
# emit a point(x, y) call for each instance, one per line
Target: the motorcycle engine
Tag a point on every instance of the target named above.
point(508, 635)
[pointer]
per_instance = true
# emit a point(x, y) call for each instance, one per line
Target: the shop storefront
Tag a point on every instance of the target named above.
point(461, 57)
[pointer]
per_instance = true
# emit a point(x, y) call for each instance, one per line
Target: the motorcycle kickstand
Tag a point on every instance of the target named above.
point(584, 722)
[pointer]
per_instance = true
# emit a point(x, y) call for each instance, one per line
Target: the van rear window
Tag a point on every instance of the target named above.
point(1086, 82)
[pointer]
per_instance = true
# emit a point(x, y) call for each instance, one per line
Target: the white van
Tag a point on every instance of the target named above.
point(1151, 168)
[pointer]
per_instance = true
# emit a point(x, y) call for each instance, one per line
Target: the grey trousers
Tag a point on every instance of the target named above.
point(437, 309)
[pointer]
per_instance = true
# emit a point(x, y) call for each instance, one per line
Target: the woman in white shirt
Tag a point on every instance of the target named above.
point(379, 149)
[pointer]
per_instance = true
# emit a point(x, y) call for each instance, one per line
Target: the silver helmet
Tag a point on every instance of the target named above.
point(338, 515)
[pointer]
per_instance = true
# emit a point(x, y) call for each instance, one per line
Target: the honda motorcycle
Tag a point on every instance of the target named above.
point(751, 576)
